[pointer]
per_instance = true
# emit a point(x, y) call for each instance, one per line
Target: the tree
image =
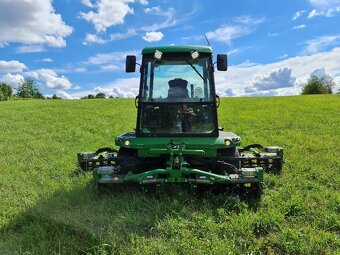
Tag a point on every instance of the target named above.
point(100, 95)
point(28, 89)
point(55, 97)
point(6, 91)
point(318, 85)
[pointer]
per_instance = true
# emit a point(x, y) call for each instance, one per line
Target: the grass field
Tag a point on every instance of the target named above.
point(46, 209)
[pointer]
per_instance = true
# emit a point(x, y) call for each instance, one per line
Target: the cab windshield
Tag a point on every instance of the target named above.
point(177, 77)
point(176, 96)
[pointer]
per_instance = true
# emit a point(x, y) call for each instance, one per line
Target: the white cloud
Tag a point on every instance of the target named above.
point(275, 79)
point(321, 43)
point(108, 13)
point(80, 70)
point(111, 68)
point(242, 26)
point(155, 9)
point(12, 66)
point(248, 20)
point(325, 3)
point(51, 79)
point(168, 14)
point(91, 38)
point(234, 51)
point(127, 87)
point(153, 36)
point(32, 22)
point(31, 48)
point(12, 79)
point(118, 36)
point(228, 33)
point(229, 92)
point(121, 88)
point(299, 27)
point(241, 78)
point(76, 87)
point(109, 62)
point(64, 95)
point(246, 63)
point(283, 56)
point(47, 60)
point(327, 8)
point(87, 3)
point(298, 14)
point(143, 2)
point(321, 72)
point(327, 13)
point(107, 58)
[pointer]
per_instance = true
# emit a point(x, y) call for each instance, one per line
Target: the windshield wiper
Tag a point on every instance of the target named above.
point(193, 67)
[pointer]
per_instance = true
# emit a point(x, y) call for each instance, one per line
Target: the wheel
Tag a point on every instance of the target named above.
point(128, 160)
point(229, 153)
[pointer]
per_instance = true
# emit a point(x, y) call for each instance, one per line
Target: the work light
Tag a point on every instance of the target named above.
point(158, 55)
point(194, 54)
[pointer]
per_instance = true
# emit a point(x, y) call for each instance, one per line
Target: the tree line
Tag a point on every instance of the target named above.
point(27, 88)
point(98, 96)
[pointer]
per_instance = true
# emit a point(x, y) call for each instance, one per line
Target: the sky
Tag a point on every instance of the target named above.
point(74, 48)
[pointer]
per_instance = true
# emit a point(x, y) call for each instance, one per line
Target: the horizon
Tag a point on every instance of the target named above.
point(73, 49)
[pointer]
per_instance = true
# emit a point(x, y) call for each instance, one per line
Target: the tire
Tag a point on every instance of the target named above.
point(231, 153)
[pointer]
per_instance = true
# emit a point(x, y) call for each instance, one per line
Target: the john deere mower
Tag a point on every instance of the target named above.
point(177, 140)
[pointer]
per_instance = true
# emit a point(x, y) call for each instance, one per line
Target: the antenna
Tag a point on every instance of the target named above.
point(206, 38)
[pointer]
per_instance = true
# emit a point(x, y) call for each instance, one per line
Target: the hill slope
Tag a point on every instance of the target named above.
point(46, 209)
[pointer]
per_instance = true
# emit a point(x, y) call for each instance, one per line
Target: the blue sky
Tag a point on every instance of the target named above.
point(75, 48)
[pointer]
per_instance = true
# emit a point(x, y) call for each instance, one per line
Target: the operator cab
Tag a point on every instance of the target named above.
point(177, 91)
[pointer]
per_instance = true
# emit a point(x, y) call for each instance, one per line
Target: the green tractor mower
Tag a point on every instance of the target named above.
point(177, 140)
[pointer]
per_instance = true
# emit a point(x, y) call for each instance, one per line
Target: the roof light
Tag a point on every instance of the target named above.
point(194, 54)
point(158, 55)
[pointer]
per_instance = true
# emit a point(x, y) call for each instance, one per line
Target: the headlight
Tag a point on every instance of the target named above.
point(127, 143)
point(227, 142)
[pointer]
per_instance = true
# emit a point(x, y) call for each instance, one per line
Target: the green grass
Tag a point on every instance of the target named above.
point(46, 209)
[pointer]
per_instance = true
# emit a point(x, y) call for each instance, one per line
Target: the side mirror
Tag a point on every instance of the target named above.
point(222, 62)
point(130, 64)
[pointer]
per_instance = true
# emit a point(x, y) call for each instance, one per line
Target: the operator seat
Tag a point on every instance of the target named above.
point(178, 90)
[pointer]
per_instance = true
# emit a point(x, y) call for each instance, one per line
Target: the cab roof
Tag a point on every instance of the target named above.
point(177, 48)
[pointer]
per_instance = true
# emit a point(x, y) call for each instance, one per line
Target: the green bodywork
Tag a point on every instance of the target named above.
point(198, 146)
